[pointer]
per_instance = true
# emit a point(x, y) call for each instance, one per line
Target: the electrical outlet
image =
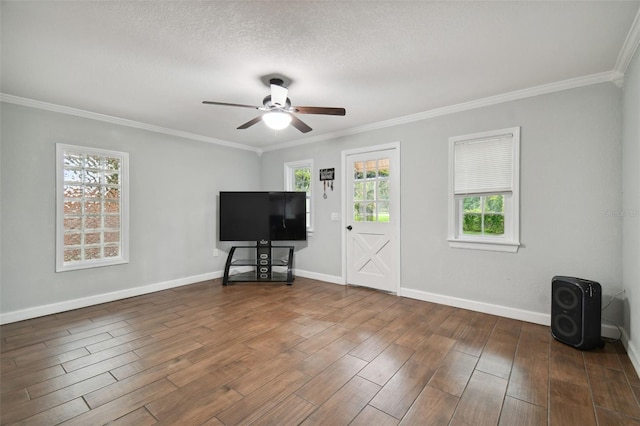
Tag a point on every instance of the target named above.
point(216, 253)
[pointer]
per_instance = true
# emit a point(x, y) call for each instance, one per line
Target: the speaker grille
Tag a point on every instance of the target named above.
point(567, 314)
point(567, 327)
point(567, 297)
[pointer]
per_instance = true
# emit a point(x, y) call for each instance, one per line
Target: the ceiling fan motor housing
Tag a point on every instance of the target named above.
point(270, 105)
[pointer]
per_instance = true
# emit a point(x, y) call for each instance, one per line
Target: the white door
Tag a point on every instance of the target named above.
point(372, 217)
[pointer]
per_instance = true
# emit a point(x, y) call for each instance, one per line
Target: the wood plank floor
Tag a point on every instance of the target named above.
point(311, 353)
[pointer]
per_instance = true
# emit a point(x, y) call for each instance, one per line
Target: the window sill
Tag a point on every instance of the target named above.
point(501, 245)
point(90, 264)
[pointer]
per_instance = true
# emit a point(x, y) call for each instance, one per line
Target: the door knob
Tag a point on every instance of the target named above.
point(349, 227)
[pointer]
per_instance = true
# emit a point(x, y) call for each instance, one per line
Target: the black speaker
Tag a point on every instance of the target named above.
point(575, 312)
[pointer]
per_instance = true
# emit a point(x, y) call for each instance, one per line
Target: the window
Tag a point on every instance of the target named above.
point(298, 177)
point(484, 190)
point(92, 207)
point(371, 190)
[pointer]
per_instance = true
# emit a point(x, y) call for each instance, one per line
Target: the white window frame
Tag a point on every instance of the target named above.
point(61, 265)
point(510, 240)
point(289, 176)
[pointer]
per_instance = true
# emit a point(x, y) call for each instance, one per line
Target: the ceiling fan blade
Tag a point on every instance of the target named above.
point(299, 124)
point(278, 94)
point(250, 123)
point(320, 110)
point(227, 104)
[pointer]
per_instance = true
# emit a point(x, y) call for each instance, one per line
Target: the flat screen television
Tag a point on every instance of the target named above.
point(255, 216)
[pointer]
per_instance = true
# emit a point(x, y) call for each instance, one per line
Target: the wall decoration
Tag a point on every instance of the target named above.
point(327, 177)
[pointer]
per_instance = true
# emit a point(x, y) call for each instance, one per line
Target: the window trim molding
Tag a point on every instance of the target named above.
point(124, 209)
point(511, 241)
point(289, 167)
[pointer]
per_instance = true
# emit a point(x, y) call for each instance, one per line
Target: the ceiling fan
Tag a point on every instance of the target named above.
point(278, 110)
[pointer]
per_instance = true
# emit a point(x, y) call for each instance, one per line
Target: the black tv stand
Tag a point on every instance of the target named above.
point(262, 264)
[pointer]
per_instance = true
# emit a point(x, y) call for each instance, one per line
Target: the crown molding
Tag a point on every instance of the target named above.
point(629, 47)
point(17, 100)
point(609, 76)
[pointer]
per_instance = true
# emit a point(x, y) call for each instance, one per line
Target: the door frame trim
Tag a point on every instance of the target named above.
point(396, 228)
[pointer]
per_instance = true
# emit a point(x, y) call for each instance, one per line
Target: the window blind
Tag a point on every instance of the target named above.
point(483, 166)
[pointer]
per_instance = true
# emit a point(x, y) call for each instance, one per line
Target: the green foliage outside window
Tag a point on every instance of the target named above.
point(483, 215)
point(302, 179)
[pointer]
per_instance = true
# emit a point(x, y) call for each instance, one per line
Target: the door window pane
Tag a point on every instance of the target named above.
point(371, 184)
point(371, 212)
point(358, 170)
point(383, 167)
point(383, 190)
point(371, 190)
point(383, 211)
point(372, 169)
point(358, 212)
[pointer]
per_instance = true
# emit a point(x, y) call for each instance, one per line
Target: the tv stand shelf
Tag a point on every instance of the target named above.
point(263, 264)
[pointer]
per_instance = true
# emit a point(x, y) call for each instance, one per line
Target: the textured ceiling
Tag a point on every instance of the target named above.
point(155, 62)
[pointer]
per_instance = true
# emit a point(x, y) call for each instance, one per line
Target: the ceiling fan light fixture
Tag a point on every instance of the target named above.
point(277, 120)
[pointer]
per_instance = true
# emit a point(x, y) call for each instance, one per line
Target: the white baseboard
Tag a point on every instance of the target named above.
point(320, 277)
point(83, 302)
point(54, 308)
point(503, 311)
point(499, 310)
point(472, 305)
point(632, 351)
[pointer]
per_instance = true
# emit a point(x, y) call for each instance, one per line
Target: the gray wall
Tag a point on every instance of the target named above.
point(570, 182)
point(173, 204)
point(631, 205)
